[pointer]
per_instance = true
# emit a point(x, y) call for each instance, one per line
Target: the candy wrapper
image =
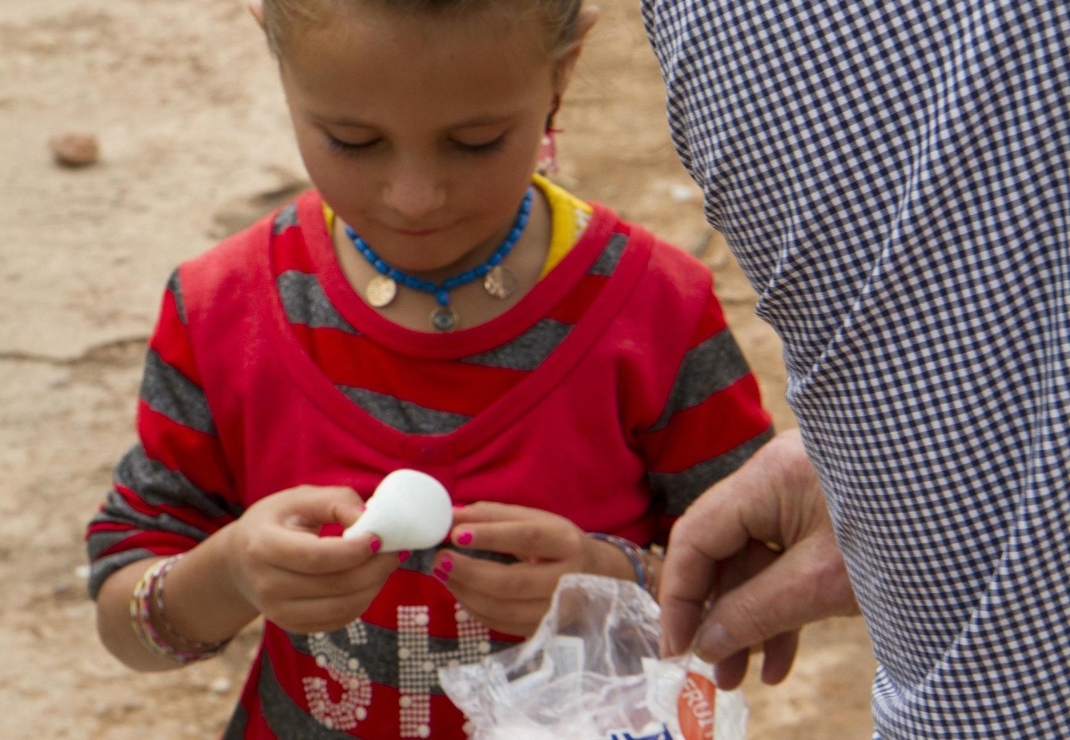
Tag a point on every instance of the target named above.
point(591, 672)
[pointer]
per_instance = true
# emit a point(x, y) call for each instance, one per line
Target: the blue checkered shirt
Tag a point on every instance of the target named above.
point(894, 177)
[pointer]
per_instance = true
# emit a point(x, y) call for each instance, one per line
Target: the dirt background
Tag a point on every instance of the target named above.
point(195, 143)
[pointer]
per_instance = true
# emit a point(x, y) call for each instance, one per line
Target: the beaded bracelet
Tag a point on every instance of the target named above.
point(141, 614)
point(643, 574)
point(148, 593)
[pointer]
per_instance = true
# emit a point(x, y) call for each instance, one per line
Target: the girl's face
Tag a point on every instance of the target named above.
point(421, 132)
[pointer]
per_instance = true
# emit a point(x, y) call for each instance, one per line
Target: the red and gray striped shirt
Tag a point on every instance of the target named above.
point(613, 394)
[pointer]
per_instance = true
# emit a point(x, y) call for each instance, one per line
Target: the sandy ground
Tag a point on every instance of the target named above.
point(195, 143)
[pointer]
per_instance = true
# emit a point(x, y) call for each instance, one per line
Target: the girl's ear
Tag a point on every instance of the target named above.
point(256, 7)
point(565, 65)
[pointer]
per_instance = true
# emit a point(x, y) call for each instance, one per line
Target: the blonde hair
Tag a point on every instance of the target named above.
point(560, 17)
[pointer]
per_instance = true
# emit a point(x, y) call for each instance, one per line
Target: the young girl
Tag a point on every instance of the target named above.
point(431, 305)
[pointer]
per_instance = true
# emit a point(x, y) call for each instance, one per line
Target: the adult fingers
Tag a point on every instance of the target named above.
point(806, 583)
point(777, 659)
point(779, 650)
point(689, 572)
point(773, 497)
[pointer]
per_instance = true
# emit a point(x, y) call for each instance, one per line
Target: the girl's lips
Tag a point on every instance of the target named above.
point(417, 232)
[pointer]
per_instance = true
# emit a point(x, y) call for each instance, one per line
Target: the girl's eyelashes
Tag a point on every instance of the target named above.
point(350, 147)
point(357, 147)
point(487, 146)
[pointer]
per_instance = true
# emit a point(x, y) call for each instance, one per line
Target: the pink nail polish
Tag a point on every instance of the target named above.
point(404, 555)
point(464, 538)
point(376, 545)
point(441, 575)
point(446, 565)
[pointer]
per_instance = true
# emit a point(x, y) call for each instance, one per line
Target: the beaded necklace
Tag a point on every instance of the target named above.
point(498, 280)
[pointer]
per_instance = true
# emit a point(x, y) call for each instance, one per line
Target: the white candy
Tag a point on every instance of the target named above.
point(409, 510)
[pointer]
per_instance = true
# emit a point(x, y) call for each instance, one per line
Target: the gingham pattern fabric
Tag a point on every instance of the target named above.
point(893, 177)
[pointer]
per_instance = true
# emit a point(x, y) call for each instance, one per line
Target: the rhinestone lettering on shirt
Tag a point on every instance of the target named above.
point(417, 670)
point(419, 666)
point(345, 670)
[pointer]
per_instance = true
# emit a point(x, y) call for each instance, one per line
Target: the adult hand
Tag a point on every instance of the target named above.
point(300, 581)
point(724, 590)
point(513, 597)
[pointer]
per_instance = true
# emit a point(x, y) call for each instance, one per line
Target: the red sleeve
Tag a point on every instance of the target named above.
point(712, 421)
point(172, 489)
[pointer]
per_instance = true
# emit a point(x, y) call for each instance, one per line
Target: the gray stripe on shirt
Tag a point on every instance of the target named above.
point(174, 284)
point(158, 485)
point(527, 351)
point(706, 369)
point(117, 510)
point(610, 256)
point(101, 570)
point(404, 416)
point(422, 561)
point(305, 302)
point(239, 721)
point(169, 392)
point(285, 218)
point(679, 490)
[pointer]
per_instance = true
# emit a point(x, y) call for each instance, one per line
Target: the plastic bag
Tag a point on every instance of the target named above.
point(591, 672)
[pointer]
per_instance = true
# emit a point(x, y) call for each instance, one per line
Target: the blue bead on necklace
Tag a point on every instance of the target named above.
point(498, 281)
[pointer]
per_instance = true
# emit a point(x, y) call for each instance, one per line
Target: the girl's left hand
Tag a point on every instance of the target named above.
point(513, 598)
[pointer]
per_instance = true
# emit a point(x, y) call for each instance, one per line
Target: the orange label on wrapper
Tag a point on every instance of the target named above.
point(694, 707)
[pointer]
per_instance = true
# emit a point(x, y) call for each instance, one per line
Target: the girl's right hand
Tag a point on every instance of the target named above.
point(297, 579)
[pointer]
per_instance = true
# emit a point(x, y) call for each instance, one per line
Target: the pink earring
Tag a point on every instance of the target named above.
point(547, 163)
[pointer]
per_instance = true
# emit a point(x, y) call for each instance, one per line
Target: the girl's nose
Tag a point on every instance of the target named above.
point(414, 193)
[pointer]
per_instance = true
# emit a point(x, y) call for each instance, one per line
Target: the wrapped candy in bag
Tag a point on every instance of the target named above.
point(592, 672)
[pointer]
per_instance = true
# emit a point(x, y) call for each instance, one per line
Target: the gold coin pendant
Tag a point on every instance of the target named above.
point(501, 282)
point(381, 291)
